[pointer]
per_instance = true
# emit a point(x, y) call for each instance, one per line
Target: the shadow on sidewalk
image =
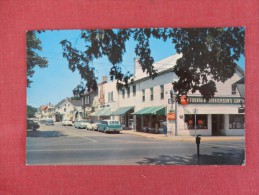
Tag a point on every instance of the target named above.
point(216, 158)
point(44, 134)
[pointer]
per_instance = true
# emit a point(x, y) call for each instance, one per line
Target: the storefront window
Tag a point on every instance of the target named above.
point(236, 121)
point(201, 121)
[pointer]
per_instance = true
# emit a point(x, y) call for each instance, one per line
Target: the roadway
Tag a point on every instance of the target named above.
point(65, 145)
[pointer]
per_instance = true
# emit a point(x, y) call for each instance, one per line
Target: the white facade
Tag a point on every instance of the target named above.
point(219, 117)
point(67, 109)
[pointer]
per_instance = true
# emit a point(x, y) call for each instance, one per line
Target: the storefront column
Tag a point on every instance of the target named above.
point(210, 124)
point(135, 122)
point(142, 122)
point(226, 123)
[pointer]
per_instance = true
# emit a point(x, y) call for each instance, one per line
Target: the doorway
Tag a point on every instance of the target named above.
point(217, 124)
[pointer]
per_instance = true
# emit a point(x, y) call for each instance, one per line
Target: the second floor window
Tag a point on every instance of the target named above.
point(123, 93)
point(162, 92)
point(128, 92)
point(110, 96)
point(143, 95)
point(152, 94)
point(134, 90)
point(234, 89)
point(65, 109)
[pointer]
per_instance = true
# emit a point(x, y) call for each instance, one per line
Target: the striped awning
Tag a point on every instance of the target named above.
point(122, 110)
point(102, 112)
point(156, 110)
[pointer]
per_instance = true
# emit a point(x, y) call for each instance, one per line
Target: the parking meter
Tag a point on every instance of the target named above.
point(198, 141)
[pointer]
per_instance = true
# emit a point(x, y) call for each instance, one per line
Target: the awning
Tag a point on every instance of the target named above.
point(106, 112)
point(122, 110)
point(157, 110)
point(101, 112)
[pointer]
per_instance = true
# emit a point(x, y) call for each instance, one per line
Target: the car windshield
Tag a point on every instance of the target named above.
point(85, 121)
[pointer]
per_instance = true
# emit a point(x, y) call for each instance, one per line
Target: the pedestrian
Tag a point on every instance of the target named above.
point(165, 129)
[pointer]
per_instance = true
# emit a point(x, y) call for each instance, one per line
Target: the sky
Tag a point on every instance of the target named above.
point(56, 82)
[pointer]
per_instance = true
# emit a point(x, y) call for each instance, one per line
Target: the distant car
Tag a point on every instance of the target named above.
point(82, 124)
point(110, 126)
point(67, 123)
point(49, 122)
point(95, 125)
point(32, 125)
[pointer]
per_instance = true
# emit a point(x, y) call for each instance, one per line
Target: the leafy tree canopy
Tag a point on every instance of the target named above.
point(31, 111)
point(33, 59)
point(208, 55)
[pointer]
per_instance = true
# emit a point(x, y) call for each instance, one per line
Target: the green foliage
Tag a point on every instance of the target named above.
point(33, 59)
point(31, 111)
point(208, 55)
point(78, 91)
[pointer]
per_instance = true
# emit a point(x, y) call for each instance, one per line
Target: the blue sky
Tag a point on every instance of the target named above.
point(56, 82)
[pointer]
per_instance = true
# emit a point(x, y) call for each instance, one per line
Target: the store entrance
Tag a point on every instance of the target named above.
point(217, 124)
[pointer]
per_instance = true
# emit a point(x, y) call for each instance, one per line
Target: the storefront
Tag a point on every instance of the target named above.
point(217, 117)
point(149, 119)
point(125, 116)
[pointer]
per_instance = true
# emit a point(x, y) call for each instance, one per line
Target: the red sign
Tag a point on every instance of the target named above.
point(171, 116)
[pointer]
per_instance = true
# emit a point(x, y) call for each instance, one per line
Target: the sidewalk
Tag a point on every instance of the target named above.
point(181, 138)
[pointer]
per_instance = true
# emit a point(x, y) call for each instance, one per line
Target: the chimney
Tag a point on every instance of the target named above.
point(104, 79)
point(137, 68)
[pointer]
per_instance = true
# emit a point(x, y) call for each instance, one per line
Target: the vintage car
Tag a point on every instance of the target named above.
point(32, 125)
point(67, 123)
point(110, 126)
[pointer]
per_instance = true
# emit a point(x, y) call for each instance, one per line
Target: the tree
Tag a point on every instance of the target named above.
point(33, 59)
point(79, 90)
point(31, 111)
point(208, 55)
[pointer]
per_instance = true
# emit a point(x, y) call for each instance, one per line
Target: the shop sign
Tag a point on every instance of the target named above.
point(215, 100)
point(171, 116)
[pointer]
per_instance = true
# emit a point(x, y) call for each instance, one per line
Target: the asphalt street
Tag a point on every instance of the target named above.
point(59, 145)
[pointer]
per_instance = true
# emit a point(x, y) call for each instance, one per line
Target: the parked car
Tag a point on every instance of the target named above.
point(110, 126)
point(67, 123)
point(95, 125)
point(32, 125)
point(49, 122)
point(82, 124)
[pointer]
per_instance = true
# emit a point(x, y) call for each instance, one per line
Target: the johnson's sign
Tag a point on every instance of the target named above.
point(215, 100)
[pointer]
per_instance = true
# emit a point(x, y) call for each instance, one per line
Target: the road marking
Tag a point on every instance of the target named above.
point(75, 134)
point(62, 150)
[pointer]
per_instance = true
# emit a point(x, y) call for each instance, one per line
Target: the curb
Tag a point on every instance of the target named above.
point(183, 138)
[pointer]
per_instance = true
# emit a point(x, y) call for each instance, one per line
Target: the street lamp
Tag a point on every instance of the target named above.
point(240, 85)
point(195, 110)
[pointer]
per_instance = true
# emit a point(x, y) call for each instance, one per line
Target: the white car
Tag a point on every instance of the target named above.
point(82, 124)
point(67, 123)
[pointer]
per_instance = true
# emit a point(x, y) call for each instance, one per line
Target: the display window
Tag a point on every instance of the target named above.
point(236, 121)
point(201, 121)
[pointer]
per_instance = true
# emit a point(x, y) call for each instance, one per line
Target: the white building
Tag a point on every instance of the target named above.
point(69, 109)
point(145, 104)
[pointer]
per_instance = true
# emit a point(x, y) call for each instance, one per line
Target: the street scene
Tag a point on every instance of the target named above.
point(66, 145)
point(155, 96)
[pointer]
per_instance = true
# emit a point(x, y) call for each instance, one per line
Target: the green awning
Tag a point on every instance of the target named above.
point(106, 112)
point(156, 110)
point(122, 110)
point(101, 112)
